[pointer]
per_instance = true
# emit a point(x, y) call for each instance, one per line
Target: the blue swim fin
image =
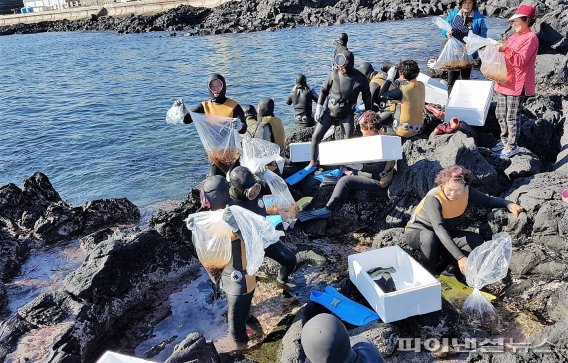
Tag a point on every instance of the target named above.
point(297, 177)
point(345, 308)
point(320, 213)
point(335, 173)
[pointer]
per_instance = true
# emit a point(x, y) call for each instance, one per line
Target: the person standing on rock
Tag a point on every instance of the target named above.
point(520, 52)
point(235, 282)
point(324, 339)
point(301, 98)
point(432, 227)
point(218, 105)
point(343, 85)
point(245, 192)
point(372, 177)
point(266, 114)
point(410, 97)
point(463, 19)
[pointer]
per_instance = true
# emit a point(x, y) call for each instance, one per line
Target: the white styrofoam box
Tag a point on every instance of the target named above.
point(469, 101)
point(417, 291)
point(112, 357)
point(436, 91)
point(300, 151)
point(360, 150)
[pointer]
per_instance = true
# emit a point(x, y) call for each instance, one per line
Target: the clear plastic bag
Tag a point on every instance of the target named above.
point(493, 64)
point(442, 23)
point(219, 138)
point(176, 113)
point(453, 57)
point(257, 153)
point(212, 240)
point(257, 232)
point(285, 203)
point(486, 264)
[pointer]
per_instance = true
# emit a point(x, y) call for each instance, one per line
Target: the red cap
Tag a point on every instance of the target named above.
point(524, 10)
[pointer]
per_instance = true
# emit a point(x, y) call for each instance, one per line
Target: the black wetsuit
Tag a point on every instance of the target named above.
point(301, 98)
point(434, 221)
point(343, 90)
point(228, 107)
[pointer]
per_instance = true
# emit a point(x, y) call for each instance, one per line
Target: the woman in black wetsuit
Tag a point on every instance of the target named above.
point(301, 98)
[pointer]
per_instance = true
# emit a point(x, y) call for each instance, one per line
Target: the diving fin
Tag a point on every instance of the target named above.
point(320, 213)
point(335, 173)
point(345, 308)
point(300, 175)
point(304, 202)
point(275, 219)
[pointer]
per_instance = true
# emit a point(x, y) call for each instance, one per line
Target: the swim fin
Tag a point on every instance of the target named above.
point(300, 175)
point(304, 202)
point(320, 213)
point(335, 173)
point(345, 308)
point(275, 220)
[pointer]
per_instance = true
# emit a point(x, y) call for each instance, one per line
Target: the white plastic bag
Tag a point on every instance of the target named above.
point(486, 264)
point(286, 204)
point(442, 23)
point(219, 138)
point(493, 64)
point(257, 232)
point(212, 240)
point(176, 113)
point(257, 153)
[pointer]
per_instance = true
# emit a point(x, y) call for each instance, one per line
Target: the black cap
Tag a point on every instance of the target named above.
point(216, 190)
point(325, 340)
point(241, 179)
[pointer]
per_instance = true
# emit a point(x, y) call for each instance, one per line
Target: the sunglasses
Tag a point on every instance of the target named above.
point(252, 192)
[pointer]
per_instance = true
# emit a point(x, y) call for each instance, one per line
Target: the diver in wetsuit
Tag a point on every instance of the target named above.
point(266, 114)
point(376, 80)
point(245, 192)
point(301, 98)
point(256, 129)
point(235, 282)
point(343, 85)
point(218, 105)
point(325, 340)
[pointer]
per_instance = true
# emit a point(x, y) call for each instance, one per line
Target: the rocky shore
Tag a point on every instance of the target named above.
point(121, 289)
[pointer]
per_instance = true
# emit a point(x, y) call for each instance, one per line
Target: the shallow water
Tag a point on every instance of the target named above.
point(88, 109)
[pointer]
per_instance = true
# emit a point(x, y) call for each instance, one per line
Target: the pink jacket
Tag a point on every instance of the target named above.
point(520, 57)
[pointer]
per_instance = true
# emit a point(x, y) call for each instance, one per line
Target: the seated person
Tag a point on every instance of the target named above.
point(256, 129)
point(266, 114)
point(373, 177)
point(245, 192)
point(325, 340)
point(411, 97)
point(301, 98)
point(432, 228)
point(376, 80)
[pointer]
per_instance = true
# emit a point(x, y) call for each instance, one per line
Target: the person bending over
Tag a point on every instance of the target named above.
point(411, 97)
point(373, 177)
point(245, 192)
point(432, 227)
point(376, 80)
point(343, 85)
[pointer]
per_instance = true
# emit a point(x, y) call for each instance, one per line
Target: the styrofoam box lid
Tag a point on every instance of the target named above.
point(409, 275)
point(474, 95)
point(436, 91)
point(112, 357)
point(360, 150)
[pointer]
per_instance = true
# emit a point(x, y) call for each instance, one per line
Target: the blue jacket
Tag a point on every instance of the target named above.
point(479, 25)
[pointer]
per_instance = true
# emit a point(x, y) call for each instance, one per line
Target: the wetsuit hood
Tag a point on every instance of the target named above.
point(265, 107)
point(221, 98)
point(216, 190)
point(249, 111)
point(325, 340)
point(241, 179)
point(367, 69)
point(343, 39)
point(301, 80)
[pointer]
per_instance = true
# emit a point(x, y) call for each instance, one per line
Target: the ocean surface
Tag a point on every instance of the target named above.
point(88, 109)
